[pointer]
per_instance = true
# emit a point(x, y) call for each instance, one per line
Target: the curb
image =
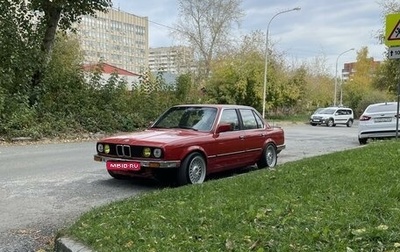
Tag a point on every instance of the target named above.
point(65, 244)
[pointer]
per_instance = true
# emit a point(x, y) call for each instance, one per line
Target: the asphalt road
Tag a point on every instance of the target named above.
point(45, 187)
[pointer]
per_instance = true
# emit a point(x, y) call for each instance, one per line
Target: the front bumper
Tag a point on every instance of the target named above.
point(279, 148)
point(318, 121)
point(143, 163)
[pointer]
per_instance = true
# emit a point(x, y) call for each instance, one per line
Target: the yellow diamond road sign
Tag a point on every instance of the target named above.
point(392, 34)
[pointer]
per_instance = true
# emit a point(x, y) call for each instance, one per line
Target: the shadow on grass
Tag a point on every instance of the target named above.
point(168, 181)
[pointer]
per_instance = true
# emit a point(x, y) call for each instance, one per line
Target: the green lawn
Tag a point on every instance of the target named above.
point(345, 201)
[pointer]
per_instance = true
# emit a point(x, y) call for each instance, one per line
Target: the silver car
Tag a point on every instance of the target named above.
point(332, 116)
point(378, 121)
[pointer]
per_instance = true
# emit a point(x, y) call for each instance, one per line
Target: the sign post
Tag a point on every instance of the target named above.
point(392, 40)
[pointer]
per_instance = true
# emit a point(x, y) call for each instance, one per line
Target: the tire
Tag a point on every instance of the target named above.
point(362, 141)
point(193, 170)
point(269, 157)
point(349, 123)
point(330, 123)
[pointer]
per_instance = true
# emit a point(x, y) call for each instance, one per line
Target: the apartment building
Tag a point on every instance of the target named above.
point(117, 38)
point(350, 68)
point(175, 59)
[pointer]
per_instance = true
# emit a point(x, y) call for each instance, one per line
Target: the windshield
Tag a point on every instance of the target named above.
point(327, 111)
point(195, 118)
point(318, 110)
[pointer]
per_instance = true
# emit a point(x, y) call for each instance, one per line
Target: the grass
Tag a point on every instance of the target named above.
point(345, 201)
point(291, 118)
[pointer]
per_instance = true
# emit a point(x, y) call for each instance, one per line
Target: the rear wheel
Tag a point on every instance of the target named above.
point(362, 141)
point(330, 123)
point(269, 157)
point(349, 123)
point(193, 170)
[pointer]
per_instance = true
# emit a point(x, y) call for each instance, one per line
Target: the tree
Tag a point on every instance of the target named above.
point(387, 77)
point(61, 14)
point(319, 87)
point(183, 87)
point(206, 24)
point(360, 83)
point(17, 44)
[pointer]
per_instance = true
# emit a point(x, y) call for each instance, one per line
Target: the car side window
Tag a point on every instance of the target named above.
point(249, 119)
point(230, 116)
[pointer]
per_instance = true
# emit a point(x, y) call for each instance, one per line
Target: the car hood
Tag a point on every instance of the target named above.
point(157, 137)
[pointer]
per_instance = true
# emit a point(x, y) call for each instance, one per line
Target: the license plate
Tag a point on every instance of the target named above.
point(122, 166)
point(383, 119)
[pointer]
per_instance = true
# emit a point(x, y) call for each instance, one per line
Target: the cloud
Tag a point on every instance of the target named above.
point(321, 26)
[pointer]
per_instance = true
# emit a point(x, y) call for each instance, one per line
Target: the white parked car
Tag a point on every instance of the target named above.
point(332, 116)
point(378, 121)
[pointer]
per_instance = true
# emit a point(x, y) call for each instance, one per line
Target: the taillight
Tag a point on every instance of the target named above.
point(364, 118)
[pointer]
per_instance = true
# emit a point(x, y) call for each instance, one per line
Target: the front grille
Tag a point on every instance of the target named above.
point(123, 150)
point(127, 151)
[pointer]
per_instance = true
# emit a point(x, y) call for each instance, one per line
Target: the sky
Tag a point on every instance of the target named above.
point(322, 28)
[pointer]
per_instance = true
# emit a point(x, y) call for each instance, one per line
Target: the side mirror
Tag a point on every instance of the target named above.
point(224, 127)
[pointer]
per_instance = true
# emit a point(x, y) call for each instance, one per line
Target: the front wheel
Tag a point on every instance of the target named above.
point(269, 157)
point(330, 123)
point(193, 170)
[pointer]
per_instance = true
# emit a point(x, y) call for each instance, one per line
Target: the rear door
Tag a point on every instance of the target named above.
point(255, 134)
point(342, 116)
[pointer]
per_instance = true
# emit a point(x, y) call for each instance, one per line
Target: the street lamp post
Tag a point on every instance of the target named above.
point(337, 59)
point(266, 56)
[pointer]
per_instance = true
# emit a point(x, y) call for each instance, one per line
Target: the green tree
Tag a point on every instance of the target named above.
point(294, 90)
point(387, 77)
point(183, 88)
point(18, 56)
point(319, 85)
point(53, 14)
point(234, 80)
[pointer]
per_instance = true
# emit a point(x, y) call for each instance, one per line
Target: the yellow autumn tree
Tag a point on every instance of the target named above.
point(359, 84)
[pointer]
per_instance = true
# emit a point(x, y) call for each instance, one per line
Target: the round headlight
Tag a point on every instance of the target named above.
point(100, 148)
point(157, 153)
point(106, 148)
point(146, 152)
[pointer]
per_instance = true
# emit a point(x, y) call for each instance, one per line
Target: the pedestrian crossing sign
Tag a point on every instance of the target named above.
point(392, 34)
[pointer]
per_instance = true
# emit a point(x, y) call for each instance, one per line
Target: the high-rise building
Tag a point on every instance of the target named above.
point(117, 38)
point(175, 59)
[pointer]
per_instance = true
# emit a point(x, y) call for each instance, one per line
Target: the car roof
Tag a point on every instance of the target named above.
point(379, 107)
point(337, 108)
point(215, 106)
point(382, 104)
